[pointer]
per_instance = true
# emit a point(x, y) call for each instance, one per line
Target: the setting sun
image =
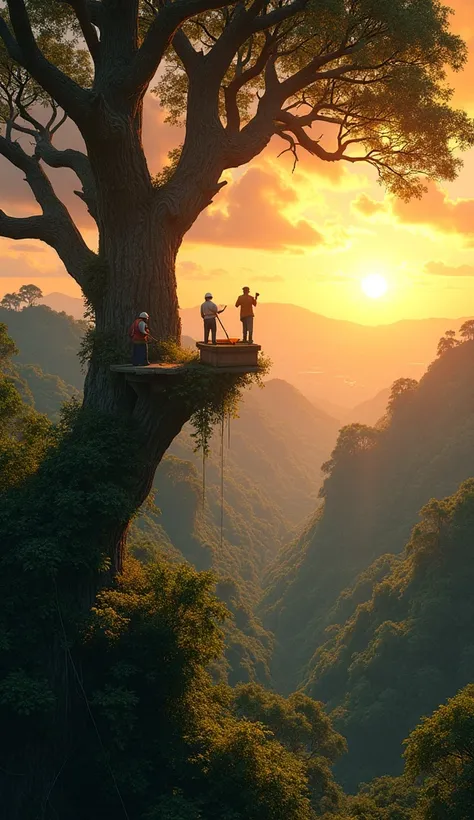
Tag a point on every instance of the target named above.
point(374, 286)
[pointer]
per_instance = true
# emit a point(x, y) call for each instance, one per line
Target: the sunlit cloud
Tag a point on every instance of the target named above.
point(27, 259)
point(368, 207)
point(436, 210)
point(254, 216)
point(440, 269)
point(193, 271)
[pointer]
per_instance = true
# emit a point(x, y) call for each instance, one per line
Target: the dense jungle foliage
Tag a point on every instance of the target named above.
point(172, 720)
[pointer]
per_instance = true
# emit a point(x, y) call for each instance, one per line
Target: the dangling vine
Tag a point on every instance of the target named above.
point(216, 395)
point(222, 477)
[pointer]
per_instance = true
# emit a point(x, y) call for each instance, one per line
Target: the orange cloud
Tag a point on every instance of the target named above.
point(463, 24)
point(28, 260)
point(193, 271)
point(437, 210)
point(434, 210)
point(367, 206)
point(440, 269)
point(254, 218)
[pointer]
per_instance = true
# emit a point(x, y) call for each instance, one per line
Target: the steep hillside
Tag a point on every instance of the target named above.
point(370, 411)
point(48, 339)
point(277, 446)
point(377, 480)
point(252, 526)
point(408, 647)
point(48, 392)
point(271, 478)
point(182, 528)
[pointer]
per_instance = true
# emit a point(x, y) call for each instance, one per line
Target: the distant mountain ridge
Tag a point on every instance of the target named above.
point(72, 305)
point(341, 362)
point(370, 411)
point(338, 361)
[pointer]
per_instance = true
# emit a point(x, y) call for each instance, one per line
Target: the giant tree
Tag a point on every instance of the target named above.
point(371, 74)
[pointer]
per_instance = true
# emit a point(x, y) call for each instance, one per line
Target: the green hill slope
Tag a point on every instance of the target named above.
point(47, 366)
point(48, 392)
point(48, 339)
point(408, 647)
point(377, 481)
point(183, 529)
point(370, 411)
point(277, 445)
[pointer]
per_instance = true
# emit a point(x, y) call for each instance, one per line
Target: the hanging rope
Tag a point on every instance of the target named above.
point(203, 477)
point(222, 476)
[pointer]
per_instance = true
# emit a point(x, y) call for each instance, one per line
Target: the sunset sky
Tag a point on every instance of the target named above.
point(307, 238)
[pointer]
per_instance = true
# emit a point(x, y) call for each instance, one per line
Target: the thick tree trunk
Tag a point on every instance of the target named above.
point(140, 231)
point(139, 242)
point(140, 276)
point(140, 271)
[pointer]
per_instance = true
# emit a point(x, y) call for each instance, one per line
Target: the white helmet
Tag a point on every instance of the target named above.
point(144, 315)
point(208, 296)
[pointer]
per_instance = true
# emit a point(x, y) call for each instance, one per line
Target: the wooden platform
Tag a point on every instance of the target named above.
point(230, 356)
point(238, 358)
point(154, 371)
point(165, 369)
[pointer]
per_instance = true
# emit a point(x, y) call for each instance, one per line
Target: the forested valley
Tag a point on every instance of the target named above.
point(312, 658)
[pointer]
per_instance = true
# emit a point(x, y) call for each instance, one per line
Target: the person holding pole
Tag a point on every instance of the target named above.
point(246, 303)
point(209, 313)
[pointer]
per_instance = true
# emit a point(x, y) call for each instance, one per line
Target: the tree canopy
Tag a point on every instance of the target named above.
point(28, 295)
point(440, 753)
point(371, 76)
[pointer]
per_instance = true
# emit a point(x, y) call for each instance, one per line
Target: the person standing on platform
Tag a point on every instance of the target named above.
point(209, 313)
point(246, 303)
point(140, 334)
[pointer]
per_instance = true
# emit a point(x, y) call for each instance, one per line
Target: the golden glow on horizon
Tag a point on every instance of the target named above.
point(374, 286)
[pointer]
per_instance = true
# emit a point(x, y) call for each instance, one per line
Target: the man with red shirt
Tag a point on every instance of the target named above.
point(246, 303)
point(139, 334)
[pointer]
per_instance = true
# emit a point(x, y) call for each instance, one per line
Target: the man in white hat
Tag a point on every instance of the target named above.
point(139, 334)
point(209, 312)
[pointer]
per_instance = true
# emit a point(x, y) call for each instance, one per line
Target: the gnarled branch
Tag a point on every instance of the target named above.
point(84, 12)
point(77, 162)
point(54, 226)
point(185, 51)
point(23, 48)
point(241, 79)
point(29, 227)
point(273, 18)
point(161, 32)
